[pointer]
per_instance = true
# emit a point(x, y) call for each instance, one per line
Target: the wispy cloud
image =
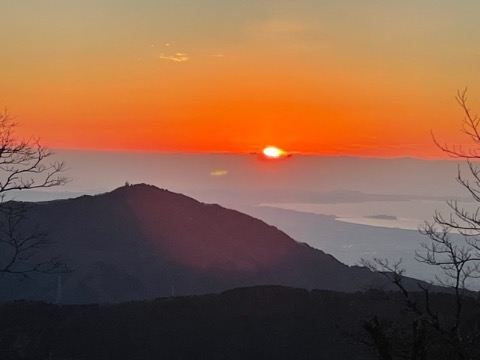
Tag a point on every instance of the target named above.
point(219, 173)
point(177, 57)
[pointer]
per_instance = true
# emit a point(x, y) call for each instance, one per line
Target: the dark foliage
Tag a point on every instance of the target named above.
point(248, 323)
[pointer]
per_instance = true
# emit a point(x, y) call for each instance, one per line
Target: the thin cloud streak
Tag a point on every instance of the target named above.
point(177, 57)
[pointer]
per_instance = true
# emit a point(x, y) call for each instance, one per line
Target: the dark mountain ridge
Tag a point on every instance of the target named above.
point(140, 242)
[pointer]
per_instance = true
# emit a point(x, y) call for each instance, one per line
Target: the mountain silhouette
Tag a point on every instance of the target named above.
point(140, 242)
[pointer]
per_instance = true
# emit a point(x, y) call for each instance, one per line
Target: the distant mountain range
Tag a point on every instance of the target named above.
point(140, 242)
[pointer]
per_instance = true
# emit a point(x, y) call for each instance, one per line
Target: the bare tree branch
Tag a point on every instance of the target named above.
point(24, 165)
point(469, 126)
point(453, 247)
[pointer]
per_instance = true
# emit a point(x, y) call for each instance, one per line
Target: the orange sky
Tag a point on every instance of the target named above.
point(326, 77)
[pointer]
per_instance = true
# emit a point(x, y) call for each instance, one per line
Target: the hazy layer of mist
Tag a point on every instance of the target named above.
point(374, 199)
point(217, 175)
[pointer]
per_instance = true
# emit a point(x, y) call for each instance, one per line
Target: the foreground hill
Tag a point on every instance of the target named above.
point(140, 242)
point(251, 323)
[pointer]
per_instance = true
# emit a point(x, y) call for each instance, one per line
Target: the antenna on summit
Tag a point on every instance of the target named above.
point(59, 291)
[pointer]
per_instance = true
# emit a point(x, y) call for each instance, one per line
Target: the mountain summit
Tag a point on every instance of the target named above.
point(140, 241)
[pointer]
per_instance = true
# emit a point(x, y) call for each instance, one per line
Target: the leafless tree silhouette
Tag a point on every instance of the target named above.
point(24, 165)
point(455, 238)
point(453, 247)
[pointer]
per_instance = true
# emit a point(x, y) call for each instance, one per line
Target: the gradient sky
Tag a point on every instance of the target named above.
point(338, 77)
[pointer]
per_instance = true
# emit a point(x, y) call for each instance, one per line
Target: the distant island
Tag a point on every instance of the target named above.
point(382, 217)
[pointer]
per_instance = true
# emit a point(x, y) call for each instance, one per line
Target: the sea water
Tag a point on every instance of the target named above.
point(409, 214)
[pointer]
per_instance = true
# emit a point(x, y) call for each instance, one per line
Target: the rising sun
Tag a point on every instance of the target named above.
point(273, 152)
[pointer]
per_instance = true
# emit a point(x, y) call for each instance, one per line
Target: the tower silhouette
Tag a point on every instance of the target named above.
point(59, 291)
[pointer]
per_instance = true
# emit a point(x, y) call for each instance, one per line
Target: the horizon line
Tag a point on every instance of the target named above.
point(233, 153)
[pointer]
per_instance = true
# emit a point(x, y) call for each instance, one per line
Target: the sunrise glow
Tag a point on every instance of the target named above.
point(170, 80)
point(273, 152)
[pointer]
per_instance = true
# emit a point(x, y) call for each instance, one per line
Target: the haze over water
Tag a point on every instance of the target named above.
point(406, 214)
point(389, 194)
point(291, 178)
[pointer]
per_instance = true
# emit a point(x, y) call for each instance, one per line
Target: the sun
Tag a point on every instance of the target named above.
point(273, 152)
